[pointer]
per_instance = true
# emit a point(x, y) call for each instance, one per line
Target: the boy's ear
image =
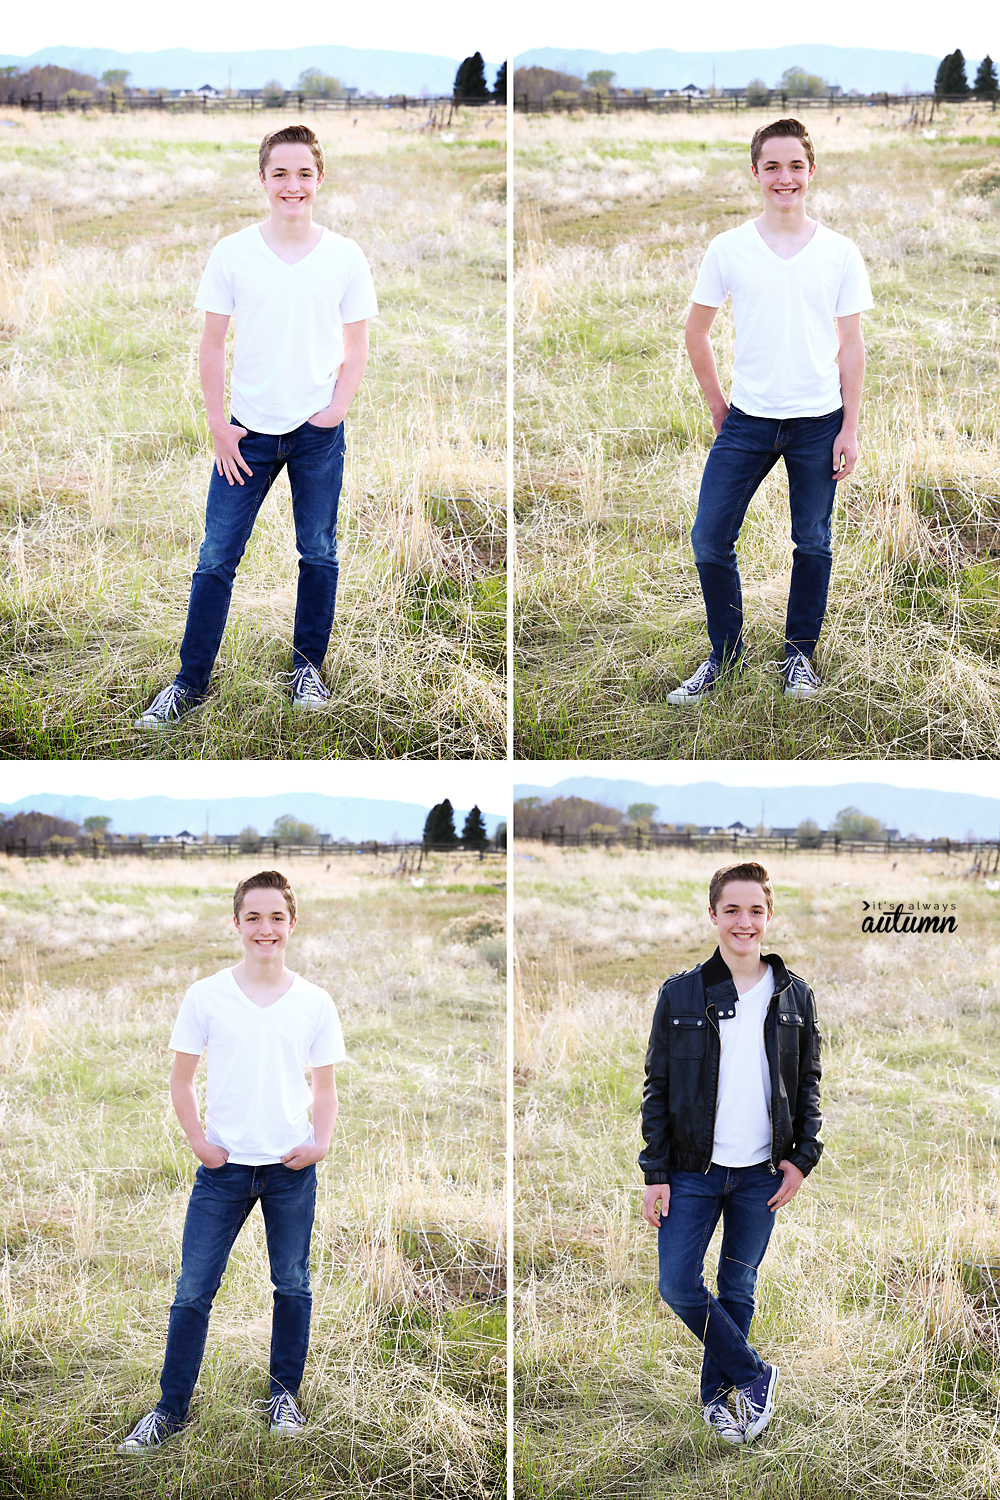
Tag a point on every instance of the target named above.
point(711, 913)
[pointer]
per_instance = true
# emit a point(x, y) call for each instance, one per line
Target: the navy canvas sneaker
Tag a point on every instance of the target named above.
point(719, 1417)
point(152, 1430)
point(800, 679)
point(284, 1417)
point(755, 1403)
point(699, 684)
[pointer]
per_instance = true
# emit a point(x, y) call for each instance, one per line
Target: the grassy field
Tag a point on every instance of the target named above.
point(105, 227)
point(874, 1299)
point(405, 1383)
point(612, 217)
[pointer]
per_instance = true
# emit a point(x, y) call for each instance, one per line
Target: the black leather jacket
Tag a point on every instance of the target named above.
point(682, 1070)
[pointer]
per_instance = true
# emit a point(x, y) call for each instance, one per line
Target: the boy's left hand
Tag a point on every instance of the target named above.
point(328, 417)
point(845, 452)
point(793, 1180)
point(304, 1155)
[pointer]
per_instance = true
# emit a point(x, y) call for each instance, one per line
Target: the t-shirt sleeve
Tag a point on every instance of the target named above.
point(327, 1045)
point(710, 289)
point(358, 300)
point(215, 291)
point(190, 1033)
point(855, 294)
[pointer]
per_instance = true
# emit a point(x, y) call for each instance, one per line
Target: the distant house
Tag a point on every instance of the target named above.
point(783, 833)
point(739, 829)
point(732, 93)
point(692, 91)
point(184, 837)
point(352, 93)
point(205, 92)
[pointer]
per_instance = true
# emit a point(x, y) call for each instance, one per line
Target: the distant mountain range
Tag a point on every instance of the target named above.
point(929, 813)
point(352, 818)
point(862, 68)
point(371, 71)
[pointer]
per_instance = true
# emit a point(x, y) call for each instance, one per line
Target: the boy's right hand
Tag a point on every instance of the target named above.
point(656, 1201)
point(211, 1156)
point(719, 415)
point(228, 458)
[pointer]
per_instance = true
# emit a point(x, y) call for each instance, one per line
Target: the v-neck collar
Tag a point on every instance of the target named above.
point(783, 260)
point(252, 1003)
point(290, 265)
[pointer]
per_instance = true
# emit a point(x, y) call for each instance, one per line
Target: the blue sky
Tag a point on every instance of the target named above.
point(463, 782)
point(979, 777)
point(447, 28)
point(726, 25)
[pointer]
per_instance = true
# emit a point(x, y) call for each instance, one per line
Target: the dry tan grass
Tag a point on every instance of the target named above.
point(870, 1300)
point(106, 225)
point(405, 1375)
point(614, 216)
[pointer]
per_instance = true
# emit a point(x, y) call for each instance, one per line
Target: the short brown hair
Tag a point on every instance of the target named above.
point(267, 880)
point(291, 135)
point(793, 129)
point(750, 871)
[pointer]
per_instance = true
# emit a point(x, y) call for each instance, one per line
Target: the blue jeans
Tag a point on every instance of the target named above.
point(697, 1199)
point(745, 450)
point(221, 1202)
point(315, 460)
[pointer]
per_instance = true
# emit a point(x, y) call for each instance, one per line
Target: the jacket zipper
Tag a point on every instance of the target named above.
point(770, 1154)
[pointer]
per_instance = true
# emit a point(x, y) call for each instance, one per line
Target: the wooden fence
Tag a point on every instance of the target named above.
point(922, 105)
point(982, 850)
point(300, 103)
point(182, 849)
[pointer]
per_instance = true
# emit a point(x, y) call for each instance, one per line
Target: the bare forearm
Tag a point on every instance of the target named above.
point(324, 1116)
point(212, 369)
point(349, 378)
point(851, 361)
point(702, 357)
point(185, 1102)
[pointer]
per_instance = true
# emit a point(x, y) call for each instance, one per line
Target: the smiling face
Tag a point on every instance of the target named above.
point(783, 172)
point(741, 916)
point(264, 925)
point(291, 180)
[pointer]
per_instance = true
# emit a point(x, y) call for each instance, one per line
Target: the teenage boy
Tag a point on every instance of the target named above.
point(302, 296)
point(261, 1024)
point(731, 1101)
point(796, 395)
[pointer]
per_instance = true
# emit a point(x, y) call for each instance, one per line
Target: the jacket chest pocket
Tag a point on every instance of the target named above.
point(790, 1025)
point(687, 1036)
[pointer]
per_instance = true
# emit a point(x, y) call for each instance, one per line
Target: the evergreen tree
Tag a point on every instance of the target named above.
point(474, 833)
point(951, 79)
point(470, 80)
point(500, 86)
point(440, 825)
point(987, 85)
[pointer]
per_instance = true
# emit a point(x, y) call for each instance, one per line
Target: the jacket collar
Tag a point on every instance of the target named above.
point(718, 986)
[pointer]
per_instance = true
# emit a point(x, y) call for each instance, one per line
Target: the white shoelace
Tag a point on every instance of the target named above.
point(799, 670)
point(165, 703)
point(703, 674)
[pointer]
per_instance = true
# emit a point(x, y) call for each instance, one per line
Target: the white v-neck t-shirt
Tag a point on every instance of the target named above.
point(785, 362)
point(743, 1102)
point(289, 337)
point(258, 1099)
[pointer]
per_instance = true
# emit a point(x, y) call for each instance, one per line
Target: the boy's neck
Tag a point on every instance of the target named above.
point(747, 969)
point(299, 231)
point(786, 224)
point(263, 981)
